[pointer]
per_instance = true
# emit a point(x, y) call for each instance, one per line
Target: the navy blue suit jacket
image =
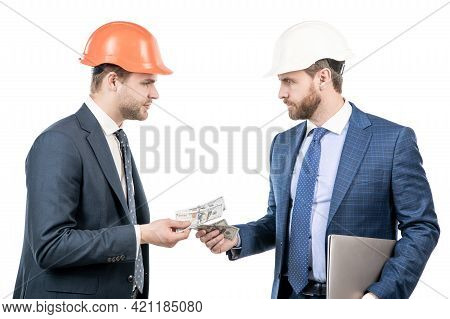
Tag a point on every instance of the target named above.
point(380, 185)
point(78, 240)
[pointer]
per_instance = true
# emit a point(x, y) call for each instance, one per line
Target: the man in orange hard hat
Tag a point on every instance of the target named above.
point(87, 224)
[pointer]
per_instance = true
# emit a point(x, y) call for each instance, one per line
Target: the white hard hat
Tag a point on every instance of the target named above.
point(303, 44)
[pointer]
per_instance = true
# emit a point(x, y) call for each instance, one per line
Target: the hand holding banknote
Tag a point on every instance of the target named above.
point(163, 233)
point(218, 235)
point(215, 240)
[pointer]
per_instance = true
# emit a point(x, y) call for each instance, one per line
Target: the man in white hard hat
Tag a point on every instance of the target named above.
point(342, 171)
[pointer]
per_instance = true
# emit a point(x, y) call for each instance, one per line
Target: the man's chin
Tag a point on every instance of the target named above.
point(294, 116)
point(142, 117)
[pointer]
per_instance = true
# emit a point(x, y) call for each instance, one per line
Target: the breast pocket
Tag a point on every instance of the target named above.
point(367, 177)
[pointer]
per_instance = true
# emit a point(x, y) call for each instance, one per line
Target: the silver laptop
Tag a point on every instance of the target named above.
point(354, 263)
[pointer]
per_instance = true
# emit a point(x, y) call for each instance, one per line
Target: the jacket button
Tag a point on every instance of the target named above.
point(130, 278)
point(281, 244)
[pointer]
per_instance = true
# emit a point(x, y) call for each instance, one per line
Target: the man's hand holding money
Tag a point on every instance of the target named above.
point(216, 241)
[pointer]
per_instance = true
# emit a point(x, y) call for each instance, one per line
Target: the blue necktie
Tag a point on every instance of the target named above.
point(299, 253)
point(126, 155)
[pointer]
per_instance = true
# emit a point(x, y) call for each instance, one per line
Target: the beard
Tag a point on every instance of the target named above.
point(304, 109)
point(132, 109)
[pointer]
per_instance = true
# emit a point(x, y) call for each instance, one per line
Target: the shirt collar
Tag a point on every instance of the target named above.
point(336, 123)
point(106, 123)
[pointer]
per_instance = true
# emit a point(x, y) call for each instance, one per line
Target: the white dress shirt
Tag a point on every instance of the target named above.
point(109, 127)
point(330, 155)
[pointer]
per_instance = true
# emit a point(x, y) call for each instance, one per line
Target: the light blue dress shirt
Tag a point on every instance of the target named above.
point(331, 149)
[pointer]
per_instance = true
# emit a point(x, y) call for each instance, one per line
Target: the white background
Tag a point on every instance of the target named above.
point(219, 51)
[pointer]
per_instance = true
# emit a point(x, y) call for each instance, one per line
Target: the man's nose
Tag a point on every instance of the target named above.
point(282, 93)
point(153, 94)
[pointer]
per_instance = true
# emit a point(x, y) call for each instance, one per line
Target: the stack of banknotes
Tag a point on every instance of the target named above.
point(201, 218)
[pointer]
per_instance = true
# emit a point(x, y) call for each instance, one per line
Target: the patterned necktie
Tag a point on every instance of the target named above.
point(299, 254)
point(126, 155)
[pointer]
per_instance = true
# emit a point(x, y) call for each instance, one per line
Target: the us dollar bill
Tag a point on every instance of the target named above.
point(228, 231)
point(202, 213)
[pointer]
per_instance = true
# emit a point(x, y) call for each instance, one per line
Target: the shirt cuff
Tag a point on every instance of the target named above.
point(236, 249)
point(137, 230)
point(238, 244)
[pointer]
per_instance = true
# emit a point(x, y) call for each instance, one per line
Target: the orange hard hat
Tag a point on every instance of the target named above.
point(127, 45)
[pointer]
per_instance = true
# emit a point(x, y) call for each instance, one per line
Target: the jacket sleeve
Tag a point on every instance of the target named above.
point(54, 175)
point(417, 221)
point(258, 236)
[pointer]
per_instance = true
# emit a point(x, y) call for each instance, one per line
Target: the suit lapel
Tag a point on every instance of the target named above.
point(354, 149)
point(97, 140)
point(293, 143)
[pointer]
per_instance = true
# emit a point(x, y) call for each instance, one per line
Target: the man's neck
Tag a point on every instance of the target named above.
point(327, 109)
point(108, 108)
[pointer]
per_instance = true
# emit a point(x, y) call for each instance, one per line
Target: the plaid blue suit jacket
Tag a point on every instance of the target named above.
point(380, 185)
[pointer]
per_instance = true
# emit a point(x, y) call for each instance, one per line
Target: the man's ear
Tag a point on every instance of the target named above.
point(324, 77)
point(112, 81)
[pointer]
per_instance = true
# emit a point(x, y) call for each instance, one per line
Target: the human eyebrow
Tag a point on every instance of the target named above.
point(286, 80)
point(148, 81)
